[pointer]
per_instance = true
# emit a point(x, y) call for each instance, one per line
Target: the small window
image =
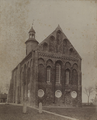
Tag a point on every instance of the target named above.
point(52, 38)
point(65, 42)
point(58, 32)
point(58, 36)
point(52, 44)
point(70, 50)
point(58, 73)
point(48, 74)
point(45, 47)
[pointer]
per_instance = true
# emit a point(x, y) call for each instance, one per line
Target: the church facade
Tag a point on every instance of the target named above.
point(50, 73)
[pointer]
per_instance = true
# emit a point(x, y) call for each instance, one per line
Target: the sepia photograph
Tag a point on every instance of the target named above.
point(48, 59)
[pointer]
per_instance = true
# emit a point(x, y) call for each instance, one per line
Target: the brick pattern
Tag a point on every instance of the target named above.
point(31, 74)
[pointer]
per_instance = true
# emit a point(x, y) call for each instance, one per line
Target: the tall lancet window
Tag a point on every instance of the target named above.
point(75, 77)
point(58, 73)
point(48, 74)
point(58, 36)
point(67, 76)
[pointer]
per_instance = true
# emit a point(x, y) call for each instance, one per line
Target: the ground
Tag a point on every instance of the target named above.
point(11, 112)
point(83, 113)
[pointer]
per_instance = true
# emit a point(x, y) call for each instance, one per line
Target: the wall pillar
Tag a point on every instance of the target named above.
point(26, 88)
point(10, 92)
point(63, 83)
point(16, 87)
point(36, 78)
point(22, 93)
point(79, 89)
point(22, 86)
point(31, 96)
point(32, 101)
point(53, 82)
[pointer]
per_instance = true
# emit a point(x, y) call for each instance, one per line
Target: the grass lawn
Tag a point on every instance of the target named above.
point(11, 112)
point(84, 113)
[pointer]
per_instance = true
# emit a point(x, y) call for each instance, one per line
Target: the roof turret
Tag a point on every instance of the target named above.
point(32, 30)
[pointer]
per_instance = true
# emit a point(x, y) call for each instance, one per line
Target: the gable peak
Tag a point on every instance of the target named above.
point(59, 28)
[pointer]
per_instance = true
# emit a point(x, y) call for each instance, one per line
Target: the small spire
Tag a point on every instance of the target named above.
point(58, 25)
point(33, 22)
point(32, 30)
point(58, 28)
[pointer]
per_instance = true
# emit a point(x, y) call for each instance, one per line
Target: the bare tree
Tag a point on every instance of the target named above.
point(1, 89)
point(88, 91)
point(95, 99)
point(6, 87)
point(95, 88)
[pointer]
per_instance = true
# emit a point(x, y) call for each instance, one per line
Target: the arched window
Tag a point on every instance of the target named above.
point(65, 48)
point(67, 77)
point(48, 74)
point(58, 73)
point(70, 51)
point(52, 44)
point(28, 76)
point(45, 47)
point(74, 77)
point(65, 42)
point(41, 73)
point(58, 36)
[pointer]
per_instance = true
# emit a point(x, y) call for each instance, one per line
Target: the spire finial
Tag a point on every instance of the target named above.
point(32, 30)
point(33, 23)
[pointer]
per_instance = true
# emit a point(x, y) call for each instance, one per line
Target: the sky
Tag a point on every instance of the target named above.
point(77, 18)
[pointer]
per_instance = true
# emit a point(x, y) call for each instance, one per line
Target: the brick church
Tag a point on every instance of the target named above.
point(50, 73)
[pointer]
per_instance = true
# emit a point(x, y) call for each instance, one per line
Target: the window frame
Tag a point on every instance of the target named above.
point(48, 72)
point(74, 77)
point(67, 82)
point(58, 73)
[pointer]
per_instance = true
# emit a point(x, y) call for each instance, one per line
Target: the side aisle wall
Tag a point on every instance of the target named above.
point(23, 82)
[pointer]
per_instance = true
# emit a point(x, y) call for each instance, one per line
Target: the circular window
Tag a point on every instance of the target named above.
point(58, 93)
point(73, 94)
point(40, 93)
